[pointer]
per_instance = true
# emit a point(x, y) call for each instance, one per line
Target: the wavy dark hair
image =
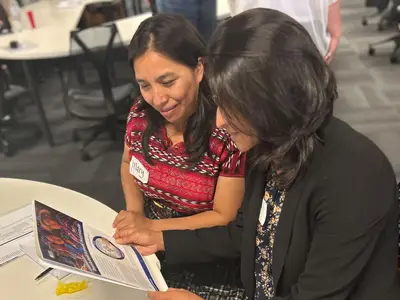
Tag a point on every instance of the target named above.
point(176, 38)
point(269, 79)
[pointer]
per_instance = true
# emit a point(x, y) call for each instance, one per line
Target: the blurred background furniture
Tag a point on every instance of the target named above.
point(103, 101)
point(97, 13)
point(49, 45)
point(394, 15)
point(13, 132)
point(47, 49)
point(8, 93)
point(381, 6)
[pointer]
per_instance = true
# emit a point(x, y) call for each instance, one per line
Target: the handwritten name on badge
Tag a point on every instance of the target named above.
point(138, 170)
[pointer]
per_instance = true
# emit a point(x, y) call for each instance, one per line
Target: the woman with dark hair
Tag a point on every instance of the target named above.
point(320, 211)
point(178, 170)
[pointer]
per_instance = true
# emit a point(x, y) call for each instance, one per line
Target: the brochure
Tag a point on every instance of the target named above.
point(68, 244)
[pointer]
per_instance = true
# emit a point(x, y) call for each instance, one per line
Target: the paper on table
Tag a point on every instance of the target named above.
point(11, 250)
point(69, 3)
point(15, 224)
point(29, 249)
point(14, 228)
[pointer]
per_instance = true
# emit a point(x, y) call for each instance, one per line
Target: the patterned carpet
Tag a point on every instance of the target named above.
point(369, 90)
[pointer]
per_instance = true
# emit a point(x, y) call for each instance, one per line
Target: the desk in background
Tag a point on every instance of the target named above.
point(51, 40)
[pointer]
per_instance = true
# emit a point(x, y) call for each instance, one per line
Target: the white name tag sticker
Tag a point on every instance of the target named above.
point(138, 170)
point(263, 212)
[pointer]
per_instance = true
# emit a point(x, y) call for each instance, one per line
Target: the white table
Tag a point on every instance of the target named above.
point(47, 13)
point(51, 38)
point(17, 277)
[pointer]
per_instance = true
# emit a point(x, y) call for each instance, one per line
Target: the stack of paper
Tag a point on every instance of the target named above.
point(15, 228)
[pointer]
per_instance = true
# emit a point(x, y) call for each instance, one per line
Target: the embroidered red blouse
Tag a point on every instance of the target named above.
point(170, 180)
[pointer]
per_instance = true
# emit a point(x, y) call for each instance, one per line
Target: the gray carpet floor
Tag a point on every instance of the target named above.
point(369, 89)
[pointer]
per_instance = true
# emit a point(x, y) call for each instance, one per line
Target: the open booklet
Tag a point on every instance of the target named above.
point(65, 243)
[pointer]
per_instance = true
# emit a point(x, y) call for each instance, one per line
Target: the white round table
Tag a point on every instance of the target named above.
point(17, 277)
point(51, 38)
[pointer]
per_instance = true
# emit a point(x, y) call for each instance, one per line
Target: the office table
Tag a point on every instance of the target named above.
point(17, 277)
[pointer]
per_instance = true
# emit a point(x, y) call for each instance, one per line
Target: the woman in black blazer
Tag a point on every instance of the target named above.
point(320, 212)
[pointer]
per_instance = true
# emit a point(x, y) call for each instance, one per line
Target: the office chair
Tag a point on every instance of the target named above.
point(9, 94)
point(381, 6)
point(102, 102)
point(98, 13)
point(95, 14)
point(395, 55)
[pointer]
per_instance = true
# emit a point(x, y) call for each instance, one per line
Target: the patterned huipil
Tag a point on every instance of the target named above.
point(170, 182)
point(265, 239)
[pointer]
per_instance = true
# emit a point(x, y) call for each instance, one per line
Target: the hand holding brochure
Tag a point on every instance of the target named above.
point(65, 243)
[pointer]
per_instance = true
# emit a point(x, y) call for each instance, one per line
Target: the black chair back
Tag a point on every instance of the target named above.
point(96, 45)
point(98, 13)
point(379, 4)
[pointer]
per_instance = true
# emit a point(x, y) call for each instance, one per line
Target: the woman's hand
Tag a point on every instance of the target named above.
point(129, 220)
point(173, 294)
point(334, 29)
point(332, 49)
point(147, 241)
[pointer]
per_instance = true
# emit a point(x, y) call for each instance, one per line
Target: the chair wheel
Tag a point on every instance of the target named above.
point(364, 21)
point(75, 137)
point(371, 51)
point(85, 156)
point(394, 59)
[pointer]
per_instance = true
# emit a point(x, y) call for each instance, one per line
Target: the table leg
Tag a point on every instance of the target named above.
point(60, 72)
point(32, 85)
point(2, 98)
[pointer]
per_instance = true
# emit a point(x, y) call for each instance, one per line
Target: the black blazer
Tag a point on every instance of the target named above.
point(337, 234)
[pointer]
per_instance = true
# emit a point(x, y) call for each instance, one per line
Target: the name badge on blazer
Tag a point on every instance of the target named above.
point(138, 170)
point(263, 212)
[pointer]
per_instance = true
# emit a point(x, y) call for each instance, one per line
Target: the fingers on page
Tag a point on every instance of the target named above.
point(159, 296)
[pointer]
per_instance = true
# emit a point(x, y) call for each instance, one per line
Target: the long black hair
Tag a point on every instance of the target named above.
point(269, 78)
point(176, 38)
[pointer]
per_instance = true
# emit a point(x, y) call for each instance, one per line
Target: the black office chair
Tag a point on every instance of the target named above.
point(98, 13)
point(395, 55)
point(9, 94)
point(381, 6)
point(103, 101)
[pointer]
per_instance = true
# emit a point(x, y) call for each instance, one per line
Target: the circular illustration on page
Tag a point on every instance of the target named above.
point(106, 247)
